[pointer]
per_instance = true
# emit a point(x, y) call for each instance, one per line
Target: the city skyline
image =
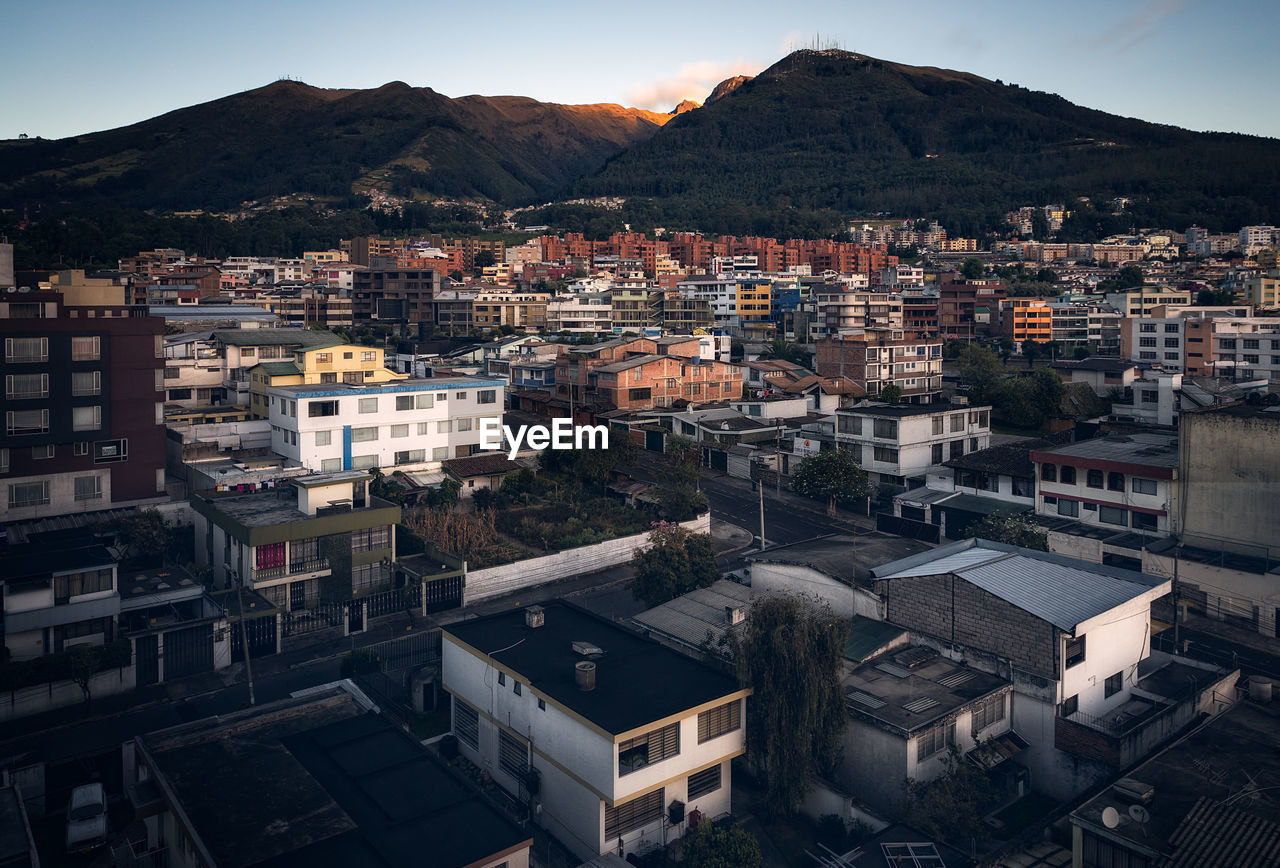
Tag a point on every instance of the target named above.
point(97, 68)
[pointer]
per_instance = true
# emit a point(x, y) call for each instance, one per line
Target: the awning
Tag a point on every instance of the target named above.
point(996, 750)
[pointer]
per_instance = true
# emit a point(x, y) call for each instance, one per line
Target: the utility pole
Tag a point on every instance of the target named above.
point(777, 476)
point(760, 485)
point(244, 635)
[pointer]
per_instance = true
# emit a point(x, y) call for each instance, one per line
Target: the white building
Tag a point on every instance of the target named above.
point(342, 426)
point(581, 313)
point(898, 444)
point(1116, 482)
point(612, 739)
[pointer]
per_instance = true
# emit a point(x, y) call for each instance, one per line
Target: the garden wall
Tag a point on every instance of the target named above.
point(507, 578)
point(39, 698)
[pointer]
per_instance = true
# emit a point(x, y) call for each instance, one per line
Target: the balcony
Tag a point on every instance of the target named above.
point(297, 568)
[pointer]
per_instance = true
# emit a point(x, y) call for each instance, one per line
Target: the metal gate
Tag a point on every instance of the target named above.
point(718, 459)
point(262, 637)
point(444, 594)
point(188, 651)
point(148, 659)
point(654, 441)
point(355, 616)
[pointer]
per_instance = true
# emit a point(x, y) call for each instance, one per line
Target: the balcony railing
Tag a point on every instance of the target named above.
point(294, 569)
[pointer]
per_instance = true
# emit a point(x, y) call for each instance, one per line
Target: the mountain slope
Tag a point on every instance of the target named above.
point(830, 129)
point(289, 137)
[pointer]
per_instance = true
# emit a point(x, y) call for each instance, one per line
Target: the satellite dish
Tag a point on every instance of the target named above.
point(1139, 813)
point(1110, 818)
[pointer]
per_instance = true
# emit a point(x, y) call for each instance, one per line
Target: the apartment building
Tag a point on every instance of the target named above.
point(57, 597)
point(1026, 319)
point(634, 307)
point(353, 364)
point(877, 359)
point(1117, 481)
point(348, 426)
point(584, 313)
point(736, 302)
point(958, 302)
point(314, 538)
point(393, 295)
point(211, 368)
point(1263, 290)
point(83, 404)
point(519, 310)
point(1141, 302)
point(683, 315)
point(1240, 348)
point(615, 739)
point(650, 381)
point(899, 444)
point(841, 311)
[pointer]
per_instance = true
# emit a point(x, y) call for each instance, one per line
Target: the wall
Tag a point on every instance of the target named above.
point(874, 765)
point(845, 601)
point(508, 578)
point(60, 694)
point(1230, 479)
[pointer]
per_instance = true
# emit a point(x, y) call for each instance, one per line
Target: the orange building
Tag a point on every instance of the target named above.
point(1026, 319)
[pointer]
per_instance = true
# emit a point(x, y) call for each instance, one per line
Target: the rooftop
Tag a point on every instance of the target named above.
point(902, 410)
point(274, 337)
point(338, 390)
point(1209, 806)
point(1063, 591)
point(693, 617)
point(36, 560)
point(1141, 448)
point(638, 681)
point(910, 688)
point(1007, 459)
point(481, 465)
point(1096, 363)
point(844, 557)
point(1243, 409)
point(321, 782)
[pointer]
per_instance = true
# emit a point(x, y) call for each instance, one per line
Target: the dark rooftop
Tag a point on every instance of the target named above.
point(41, 560)
point(1096, 363)
point(1008, 459)
point(895, 690)
point(322, 782)
point(903, 410)
point(480, 465)
point(844, 557)
point(638, 681)
point(1243, 409)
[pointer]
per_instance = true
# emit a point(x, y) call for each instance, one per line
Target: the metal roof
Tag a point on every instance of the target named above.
point(949, 564)
point(689, 618)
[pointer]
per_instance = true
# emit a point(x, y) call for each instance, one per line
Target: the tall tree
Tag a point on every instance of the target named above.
point(676, 562)
point(1014, 530)
point(785, 351)
point(678, 492)
point(973, 269)
point(891, 394)
point(833, 476)
point(980, 370)
point(789, 653)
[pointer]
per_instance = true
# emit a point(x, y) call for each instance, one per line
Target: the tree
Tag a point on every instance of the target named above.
point(789, 652)
point(82, 664)
point(891, 394)
point(1047, 275)
point(1215, 298)
point(1005, 347)
point(833, 476)
point(678, 493)
point(785, 351)
point(676, 562)
point(950, 807)
point(981, 371)
point(483, 259)
point(1032, 350)
point(714, 846)
point(1014, 530)
point(973, 269)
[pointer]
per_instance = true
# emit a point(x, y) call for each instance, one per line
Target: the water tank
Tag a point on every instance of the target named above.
point(584, 675)
point(1259, 689)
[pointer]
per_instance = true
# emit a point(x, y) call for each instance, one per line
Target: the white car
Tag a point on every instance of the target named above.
point(87, 818)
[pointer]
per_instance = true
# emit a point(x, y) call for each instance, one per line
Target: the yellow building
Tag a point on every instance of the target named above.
point(754, 301)
point(336, 363)
point(1263, 290)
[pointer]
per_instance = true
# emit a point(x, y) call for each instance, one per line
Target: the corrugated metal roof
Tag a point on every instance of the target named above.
point(951, 563)
point(1064, 596)
point(689, 618)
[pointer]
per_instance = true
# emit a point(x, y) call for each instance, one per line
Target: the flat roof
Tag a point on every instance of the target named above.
point(901, 410)
point(1141, 448)
point(316, 479)
point(638, 681)
point(341, 390)
point(40, 560)
point(321, 782)
point(847, 558)
point(273, 336)
point(896, 690)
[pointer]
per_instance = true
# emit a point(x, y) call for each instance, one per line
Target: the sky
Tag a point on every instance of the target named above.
point(77, 66)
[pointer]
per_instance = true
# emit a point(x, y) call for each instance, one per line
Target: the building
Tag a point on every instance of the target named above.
point(876, 360)
point(611, 738)
point(1142, 302)
point(1122, 481)
point(321, 779)
point(898, 444)
point(211, 368)
point(650, 381)
point(958, 302)
point(314, 538)
point(589, 313)
point(843, 311)
point(1263, 290)
point(83, 404)
point(345, 426)
point(1026, 319)
point(1103, 375)
point(393, 295)
point(478, 472)
point(327, 364)
point(57, 597)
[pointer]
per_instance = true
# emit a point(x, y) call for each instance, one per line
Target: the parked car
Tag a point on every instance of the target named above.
point(87, 818)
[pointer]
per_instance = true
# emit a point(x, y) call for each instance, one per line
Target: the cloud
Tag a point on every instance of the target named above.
point(693, 81)
point(1137, 27)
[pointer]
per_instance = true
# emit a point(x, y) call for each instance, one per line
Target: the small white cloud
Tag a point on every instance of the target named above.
point(694, 81)
point(1139, 25)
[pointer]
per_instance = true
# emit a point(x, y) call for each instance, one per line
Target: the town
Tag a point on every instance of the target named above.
point(904, 549)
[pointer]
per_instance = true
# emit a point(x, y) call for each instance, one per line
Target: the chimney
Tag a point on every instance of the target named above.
point(584, 675)
point(733, 615)
point(534, 616)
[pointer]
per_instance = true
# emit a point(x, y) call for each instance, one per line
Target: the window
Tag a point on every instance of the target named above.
point(886, 429)
point(1171, 357)
point(956, 449)
point(328, 377)
point(935, 456)
point(957, 422)
point(426, 402)
point(464, 425)
point(81, 448)
point(643, 750)
point(322, 408)
point(1068, 476)
point(29, 494)
point(937, 424)
point(399, 431)
point(88, 488)
point(1049, 472)
point(502, 679)
point(513, 755)
point(369, 577)
point(329, 465)
point(703, 782)
point(86, 418)
point(368, 356)
point(4, 460)
point(26, 422)
point(638, 394)
point(18, 387)
point(1115, 481)
point(1095, 479)
point(850, 424)
point(40, 453)
point(324, 438)
point(1075, 652)
point(542, 705)
point(1069, 508)
point(26, 349)
point(353, 378)
point(363, 462)
point(1143, 521)
point(444, 426)
point(1143, 486)
point(885, 454)
point(76, 584)
point(1149, 396)
point(370, 539)
point(440, 453)
point(364, 435)
point(86, 383)
point(487, 396)
point(1148, 327)
point(368, 405)
point(302, 553)
point(987, 712)
point(466, 724)
point(1171, 328)
point(1146, 342)
point(515, 688)
point(640, 811)
point(1114, 684)
point(324, 358)
point(86, 349)
point(411, 456)
point(1070, 705)
point(404, 402)
point(719, 720)
point(1250, 345)
point(935, 739)
point(1113, 515)
point(461, 396)
point(105, 451)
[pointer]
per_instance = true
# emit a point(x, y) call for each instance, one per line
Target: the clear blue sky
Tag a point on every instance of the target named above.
point(76, 66)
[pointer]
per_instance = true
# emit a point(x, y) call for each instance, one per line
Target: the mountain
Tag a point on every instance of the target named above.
point(686, 105)
point(836, 130)
point(290, 138)
point(726, 87)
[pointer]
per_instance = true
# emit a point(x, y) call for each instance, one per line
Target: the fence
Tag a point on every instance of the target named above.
point(408, 652)
point(887, 522)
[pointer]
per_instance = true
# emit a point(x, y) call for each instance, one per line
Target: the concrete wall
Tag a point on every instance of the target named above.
point(60, 694)
point(508, 578)
point(845, 601)
point(1230, 479)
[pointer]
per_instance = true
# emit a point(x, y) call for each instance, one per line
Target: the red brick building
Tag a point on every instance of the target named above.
point(877, 359)
point(649, 381)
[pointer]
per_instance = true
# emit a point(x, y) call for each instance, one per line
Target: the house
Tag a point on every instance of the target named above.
point(612, 738)
point(1074, 639)
point(1103, 375)
point(648, 381)
point(477, 472)
point(327, 365)
point(825, 395)
point(1200, 802)
point(898, 444)
point(58, 595)
point(211, 368)
point(1121, 481)
point(318, 780)
point(176, 628)
point(350, 426)
point(317, 537)
point(907, 709)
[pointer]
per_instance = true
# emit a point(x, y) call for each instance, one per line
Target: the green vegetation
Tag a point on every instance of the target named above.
point(1023, 402)
point(1014, 530)
point(790, 652)
point(950, 807)
point(715, 846)
point(678, 493)
point(833, 476)
point(785, 351)
point(677, 562)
